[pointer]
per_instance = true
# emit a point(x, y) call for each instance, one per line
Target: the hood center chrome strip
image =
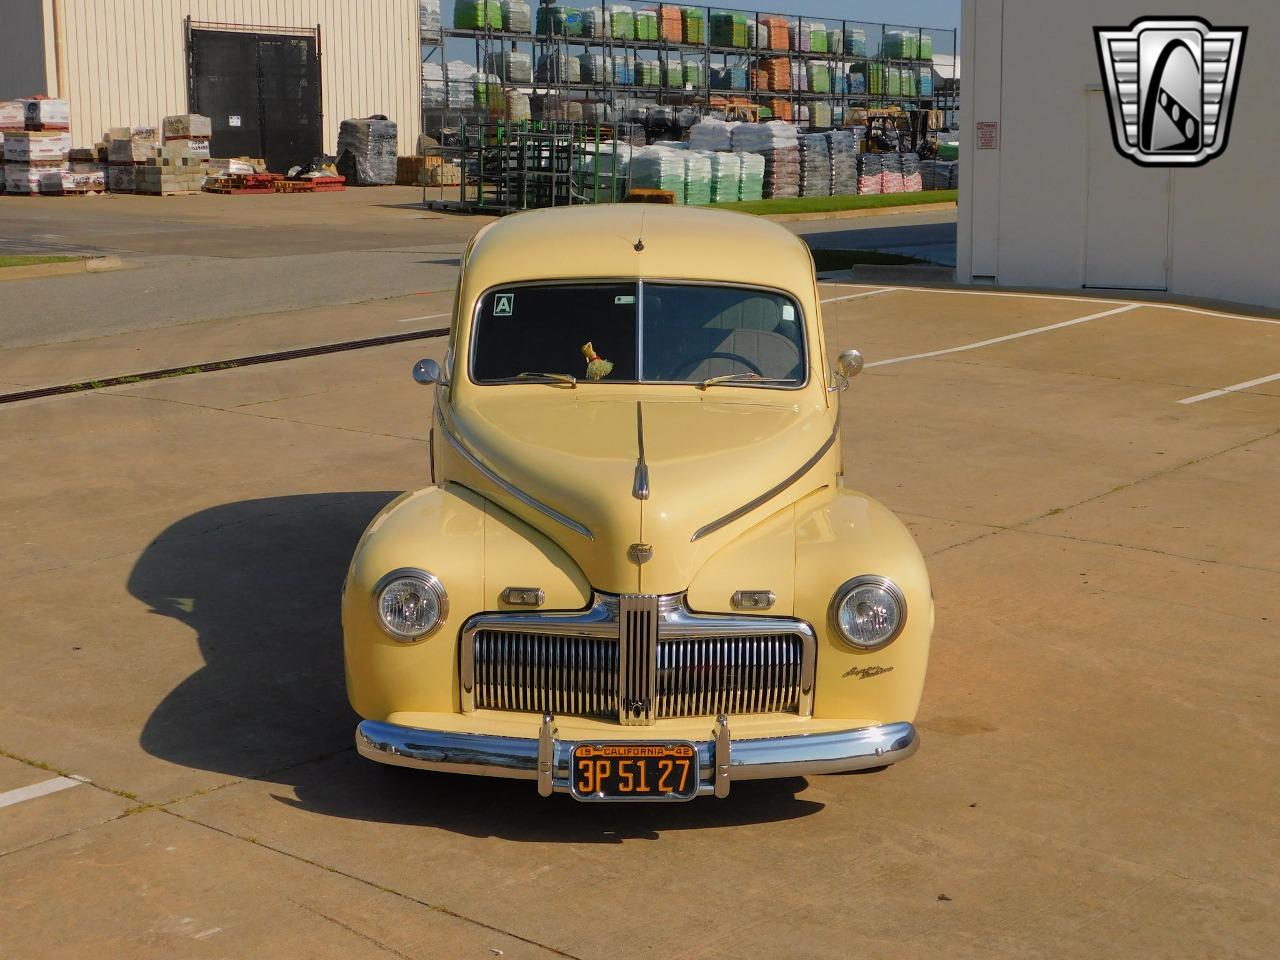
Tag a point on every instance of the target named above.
point(640, 488)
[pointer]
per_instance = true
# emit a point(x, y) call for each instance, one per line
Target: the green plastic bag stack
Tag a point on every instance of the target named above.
point(646, 25)
point(926, 47)
point(728, 29)
point(751, 186)
point(697, 178)
point(817, 37)
point(694, 24)
point(726, 175)
point(622, 23)
point(693, 74)
point(673, 75)
point(477, 15)
point(559, 21)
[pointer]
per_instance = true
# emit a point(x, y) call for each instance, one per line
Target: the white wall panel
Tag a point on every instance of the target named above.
point(1223, 239)
point(127, 61)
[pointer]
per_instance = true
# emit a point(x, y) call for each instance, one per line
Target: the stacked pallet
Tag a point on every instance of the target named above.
point(728, 29)
point(912, 180)
point(127, 148)
point(34, 145)
point(559, 67)
point(751, 186)
point(511, 66)
point(622, 23)
point(730, 78)
point(891, 175)
point(870, 173)
point(670, 25)
point(778, 143)
point(815, 165)
point(938, 174)
point(516, 17)
point(844, 162)
point(778, 108)
point(774, 33)
point(174, 172)
point(726, 175)
point(693, 23)
point(777, 71)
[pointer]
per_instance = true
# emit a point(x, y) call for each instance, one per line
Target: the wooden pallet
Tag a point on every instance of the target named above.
point(294, 186)
point(329, 184)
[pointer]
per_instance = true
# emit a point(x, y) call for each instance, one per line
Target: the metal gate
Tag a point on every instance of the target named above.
point(261, 90)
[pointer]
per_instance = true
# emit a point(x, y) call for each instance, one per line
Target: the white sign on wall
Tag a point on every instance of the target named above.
point(233, 120)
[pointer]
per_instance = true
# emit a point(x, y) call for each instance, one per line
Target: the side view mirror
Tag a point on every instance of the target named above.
point(848, 365)
point(427, 372)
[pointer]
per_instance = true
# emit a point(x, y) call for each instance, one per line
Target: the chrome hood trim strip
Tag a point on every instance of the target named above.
point(769, 494)
point(507, 486)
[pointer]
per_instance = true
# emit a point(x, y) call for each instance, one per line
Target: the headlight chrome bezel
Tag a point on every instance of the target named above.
point(842, 593)
point(432, 585)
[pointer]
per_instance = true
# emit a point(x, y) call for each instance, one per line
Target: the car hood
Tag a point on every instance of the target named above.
point(571, 459)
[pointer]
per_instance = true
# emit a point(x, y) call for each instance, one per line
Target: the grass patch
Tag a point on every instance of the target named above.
point(7, 260)
point(834, 204)
point(824, 260)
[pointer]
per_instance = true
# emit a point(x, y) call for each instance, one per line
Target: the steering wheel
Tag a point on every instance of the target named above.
point(689, 367)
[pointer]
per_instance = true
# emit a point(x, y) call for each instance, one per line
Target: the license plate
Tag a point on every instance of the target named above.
point(634, 771)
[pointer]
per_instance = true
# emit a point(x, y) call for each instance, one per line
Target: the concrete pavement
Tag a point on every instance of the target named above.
point(207, 257)
point(1097, 773)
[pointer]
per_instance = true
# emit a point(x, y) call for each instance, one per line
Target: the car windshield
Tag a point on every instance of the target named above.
point(638, 332)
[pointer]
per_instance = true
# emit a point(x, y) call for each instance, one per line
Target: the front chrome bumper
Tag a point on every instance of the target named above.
point(721, 759)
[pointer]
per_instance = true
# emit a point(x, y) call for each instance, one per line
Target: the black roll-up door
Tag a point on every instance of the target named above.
point(261, 91)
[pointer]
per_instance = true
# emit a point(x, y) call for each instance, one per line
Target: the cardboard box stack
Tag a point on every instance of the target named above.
point(13, 119)
point(36, 144)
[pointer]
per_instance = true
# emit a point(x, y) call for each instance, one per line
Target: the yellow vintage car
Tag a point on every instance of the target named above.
point(638, 574)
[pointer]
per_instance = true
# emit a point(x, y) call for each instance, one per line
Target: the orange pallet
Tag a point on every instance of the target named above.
point(329, 184)
point(294, 186)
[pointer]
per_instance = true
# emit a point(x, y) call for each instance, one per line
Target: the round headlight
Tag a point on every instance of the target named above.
point(868, 612)
point(411, 604)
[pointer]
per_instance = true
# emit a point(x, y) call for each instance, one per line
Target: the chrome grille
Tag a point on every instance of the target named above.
point(638, 633)
point(689, 677)
point(540, 673)
point(704, 676)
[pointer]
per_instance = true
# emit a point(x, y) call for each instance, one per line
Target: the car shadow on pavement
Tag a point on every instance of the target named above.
point(259, 582)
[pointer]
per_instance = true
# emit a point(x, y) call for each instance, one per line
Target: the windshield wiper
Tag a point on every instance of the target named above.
point(568, 378)
point(738, 377)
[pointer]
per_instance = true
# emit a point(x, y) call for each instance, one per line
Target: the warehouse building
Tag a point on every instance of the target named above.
point(276, 77)
point(1047, 196)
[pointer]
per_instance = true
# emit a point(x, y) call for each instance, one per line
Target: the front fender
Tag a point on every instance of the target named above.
point(476, 549)
point(841, 534)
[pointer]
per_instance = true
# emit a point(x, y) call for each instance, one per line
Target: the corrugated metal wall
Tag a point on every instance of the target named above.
point(22, 48)
point(127, 60)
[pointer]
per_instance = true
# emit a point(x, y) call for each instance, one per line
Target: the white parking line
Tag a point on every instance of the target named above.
point(43, 788)
point(1234, 388)
point(434, 316)
point(864, 293)
point(1009, 336)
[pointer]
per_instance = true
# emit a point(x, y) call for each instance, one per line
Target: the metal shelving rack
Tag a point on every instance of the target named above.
point(508, 165)
point(707, 55)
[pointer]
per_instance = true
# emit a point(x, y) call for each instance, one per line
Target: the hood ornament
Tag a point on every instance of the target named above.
point(640, 553)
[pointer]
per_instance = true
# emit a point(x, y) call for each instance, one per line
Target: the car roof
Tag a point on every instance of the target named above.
point(679, 243)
